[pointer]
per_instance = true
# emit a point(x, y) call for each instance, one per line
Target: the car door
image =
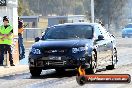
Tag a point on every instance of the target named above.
point(107, 45)
point(110, 46)
point(101, 46)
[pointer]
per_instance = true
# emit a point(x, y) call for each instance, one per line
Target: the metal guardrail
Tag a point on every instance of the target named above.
point(30, 33)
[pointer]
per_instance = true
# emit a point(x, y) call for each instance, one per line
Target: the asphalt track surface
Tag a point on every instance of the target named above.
point(51, 79)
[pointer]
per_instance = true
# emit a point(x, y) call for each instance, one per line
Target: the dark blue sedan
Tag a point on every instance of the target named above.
point(68, 46)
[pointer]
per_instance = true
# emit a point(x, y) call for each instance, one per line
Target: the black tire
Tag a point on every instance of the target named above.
point(123, 36)
point(81, 80)
point(114, 61)
point(35, 71)
point(93, 64)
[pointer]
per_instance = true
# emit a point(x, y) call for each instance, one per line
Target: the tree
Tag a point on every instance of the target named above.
point(109, 11)
point(58, 7)
point(20, 7)
point(23, 8)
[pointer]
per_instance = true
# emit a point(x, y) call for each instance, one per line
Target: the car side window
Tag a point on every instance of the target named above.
point(97, 32)
point(104, 32)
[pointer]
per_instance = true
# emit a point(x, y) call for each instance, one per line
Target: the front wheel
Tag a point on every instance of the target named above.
point(114, 60)
point(123, 36)
point(35, 71)
point(93, 64)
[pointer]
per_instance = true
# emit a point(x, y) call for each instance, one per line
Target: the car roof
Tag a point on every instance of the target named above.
point(77, 23)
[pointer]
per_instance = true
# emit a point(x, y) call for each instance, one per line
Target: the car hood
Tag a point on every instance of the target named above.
point(127, 29)
point(62, 43)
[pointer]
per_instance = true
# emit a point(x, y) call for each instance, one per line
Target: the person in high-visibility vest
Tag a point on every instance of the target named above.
point(20, 39)
point(6, 37)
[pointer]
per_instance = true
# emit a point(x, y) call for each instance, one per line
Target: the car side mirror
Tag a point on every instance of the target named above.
point(100, 37)
point(37, 39)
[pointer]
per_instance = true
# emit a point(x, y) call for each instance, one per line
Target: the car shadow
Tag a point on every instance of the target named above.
point(68, 73)
point(46, 74)
point(54, 74)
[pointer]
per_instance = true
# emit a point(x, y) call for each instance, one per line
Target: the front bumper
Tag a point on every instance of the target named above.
point(58, 62)
point(128, 35)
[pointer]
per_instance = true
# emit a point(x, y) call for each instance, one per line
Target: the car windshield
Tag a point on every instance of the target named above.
point(69, 32)
point(128, 26)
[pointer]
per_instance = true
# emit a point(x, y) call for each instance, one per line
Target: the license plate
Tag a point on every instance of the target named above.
point(55, 58)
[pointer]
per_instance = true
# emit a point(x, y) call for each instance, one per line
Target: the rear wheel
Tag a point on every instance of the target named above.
point(114, 60)
point(93, 64)
point(35, 71)
point(129, 36)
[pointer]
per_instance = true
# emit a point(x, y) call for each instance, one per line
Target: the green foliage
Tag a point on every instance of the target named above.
point(109, 11)
point(106, 10)
point(20, 7)
point(58, 7)
point(23, 8)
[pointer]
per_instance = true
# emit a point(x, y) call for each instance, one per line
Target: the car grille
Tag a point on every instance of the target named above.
point(55, 61)
point(55, 51)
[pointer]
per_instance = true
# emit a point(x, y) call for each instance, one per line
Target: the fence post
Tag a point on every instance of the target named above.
point(15, 50)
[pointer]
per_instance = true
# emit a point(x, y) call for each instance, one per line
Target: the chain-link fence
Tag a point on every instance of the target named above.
point(31, 33)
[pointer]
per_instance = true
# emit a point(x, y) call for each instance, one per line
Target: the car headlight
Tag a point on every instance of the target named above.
point(35, 51)
point(124, 32)
point(79, 49)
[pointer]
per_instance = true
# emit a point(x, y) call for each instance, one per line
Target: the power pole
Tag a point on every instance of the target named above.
point(92, 11)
